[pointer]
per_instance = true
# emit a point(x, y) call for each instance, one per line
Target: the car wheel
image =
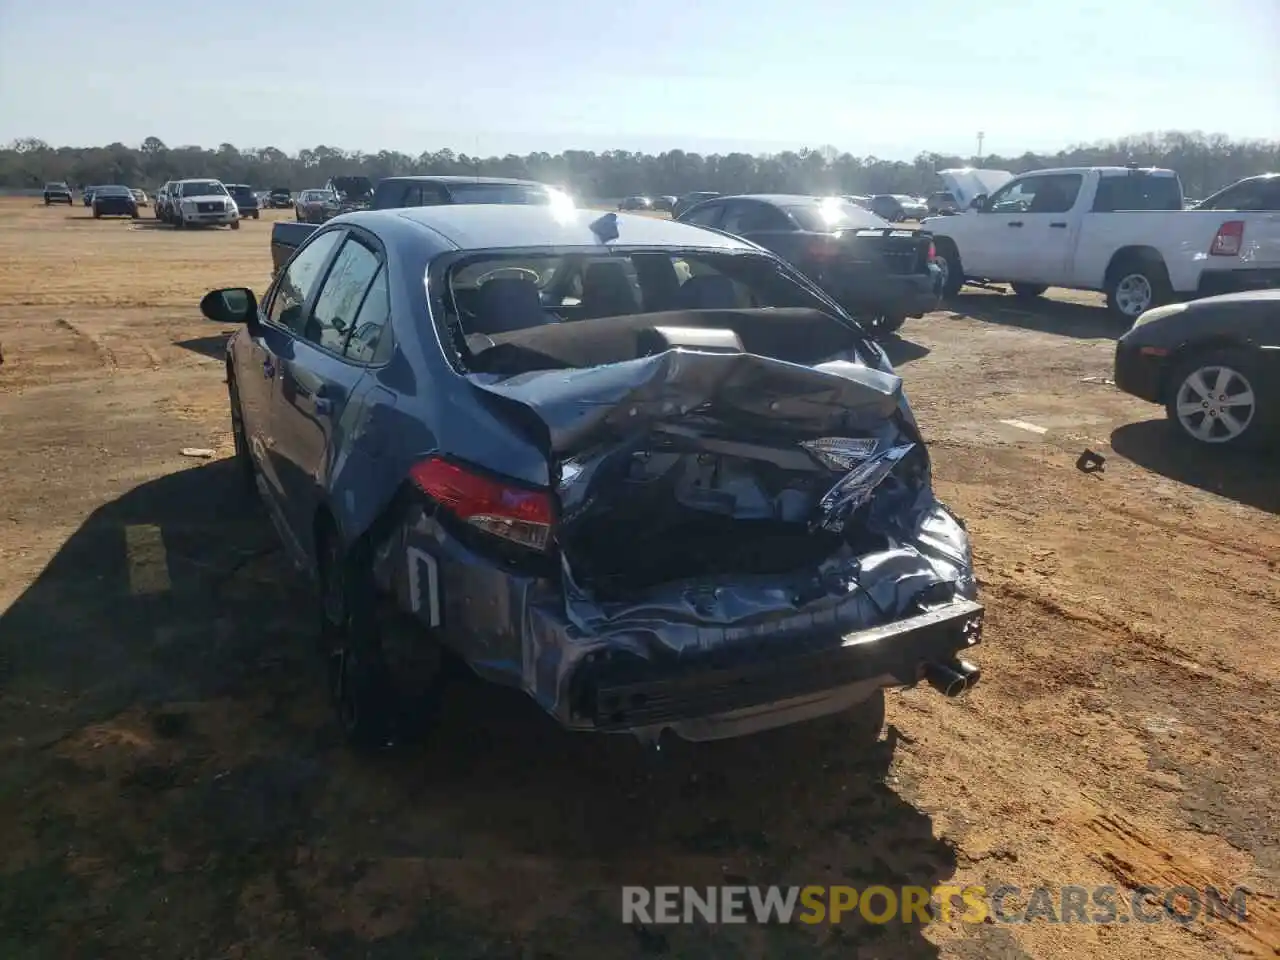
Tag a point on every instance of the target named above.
point(1220, 398)
point(235, 224)
point(385, 674)
point(948, 261)
point(243, 455)
point(1028, 291)
point(868, 717)
point(255, 214)
point(48, 202)
point(1135, 286)
point(97, 214)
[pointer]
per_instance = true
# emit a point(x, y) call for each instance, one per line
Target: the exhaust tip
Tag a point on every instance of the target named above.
point(953, 677)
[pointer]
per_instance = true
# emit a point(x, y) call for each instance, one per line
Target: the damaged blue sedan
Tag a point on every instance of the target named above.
point(645, 472)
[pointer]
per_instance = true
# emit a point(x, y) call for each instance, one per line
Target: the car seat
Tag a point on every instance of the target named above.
point(607, 291)
point(708, 292)
point(505, 304)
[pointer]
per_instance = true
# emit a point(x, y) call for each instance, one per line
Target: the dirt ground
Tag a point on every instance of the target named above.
point(171, 785)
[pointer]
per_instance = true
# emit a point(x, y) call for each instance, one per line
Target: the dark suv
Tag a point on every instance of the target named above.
point(57, 193)
point(246, 200)
point(280, 198)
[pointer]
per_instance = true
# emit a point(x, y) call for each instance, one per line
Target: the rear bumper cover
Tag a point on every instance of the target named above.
point(704, 660)
point(895, 295)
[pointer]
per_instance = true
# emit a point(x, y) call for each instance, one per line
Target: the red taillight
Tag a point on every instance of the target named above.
point(513, 513)
point(933, 252)
point(1228, 240)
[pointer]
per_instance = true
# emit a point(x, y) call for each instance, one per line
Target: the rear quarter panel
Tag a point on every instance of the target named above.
point(1181, 237)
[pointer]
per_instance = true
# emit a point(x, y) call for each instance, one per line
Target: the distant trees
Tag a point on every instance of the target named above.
point(1205, 163)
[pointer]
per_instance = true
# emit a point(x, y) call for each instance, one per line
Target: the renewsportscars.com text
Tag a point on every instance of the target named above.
point(909, 904)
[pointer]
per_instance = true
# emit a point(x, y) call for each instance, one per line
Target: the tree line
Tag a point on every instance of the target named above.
point(1205, 164)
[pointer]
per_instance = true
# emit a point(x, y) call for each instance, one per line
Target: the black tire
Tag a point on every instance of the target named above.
point(97, 215)
point(868, 717)
point(247, 472)
point(379, 700)
point(47, 201)
point(255, 214)
point(235, 224)
point(1028, 291)
point(1123, 285)
point(1246, 377)
point(950, 257)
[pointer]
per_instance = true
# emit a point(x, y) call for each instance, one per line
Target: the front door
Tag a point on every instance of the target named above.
point(318, 379)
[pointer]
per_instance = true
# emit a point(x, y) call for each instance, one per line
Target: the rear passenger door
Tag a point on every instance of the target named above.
point(318, 379)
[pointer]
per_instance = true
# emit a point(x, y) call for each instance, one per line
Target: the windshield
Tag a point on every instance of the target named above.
point(834, 215)
point(55, 186)
point(113, 191)
point(518, 193)
point(203, 188)
point(240, 192)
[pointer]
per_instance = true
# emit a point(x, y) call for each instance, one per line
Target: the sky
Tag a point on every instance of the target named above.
point(515, 76)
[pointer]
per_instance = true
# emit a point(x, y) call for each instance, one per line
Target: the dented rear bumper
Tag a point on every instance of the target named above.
point(703, 660)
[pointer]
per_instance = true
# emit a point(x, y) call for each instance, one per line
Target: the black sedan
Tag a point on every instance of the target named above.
point(280, 198)
point(458, 461)
point(114, 201)
point(57, 193)
point(1214, 364)
point(879, 273)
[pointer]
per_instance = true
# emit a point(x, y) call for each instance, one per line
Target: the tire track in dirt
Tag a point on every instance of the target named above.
point(1137, 858)
point(105, 354)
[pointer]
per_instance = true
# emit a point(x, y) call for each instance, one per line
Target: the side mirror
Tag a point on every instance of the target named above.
point(231, 305)
point(978, 203)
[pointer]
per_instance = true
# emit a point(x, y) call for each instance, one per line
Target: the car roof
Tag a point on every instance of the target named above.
point(778, 199)
point(200, 180)
point(488, 226)
point(446, 180)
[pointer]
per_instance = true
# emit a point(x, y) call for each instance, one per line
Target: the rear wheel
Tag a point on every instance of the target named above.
point(385, 673)
point(1222, 399)
point(952, 270)
point(235, 224)
point(1028, 291)
point(1134, 286)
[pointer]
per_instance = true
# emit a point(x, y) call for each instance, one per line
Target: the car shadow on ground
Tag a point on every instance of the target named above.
point(165, 717)
point(900, 350)
point(1248, 477)
point(214, 347)
point(1043, 314)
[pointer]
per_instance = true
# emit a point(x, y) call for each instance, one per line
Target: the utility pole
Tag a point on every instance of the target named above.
point(981, 135)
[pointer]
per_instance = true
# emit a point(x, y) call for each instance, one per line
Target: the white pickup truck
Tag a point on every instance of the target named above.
point(1120, 230)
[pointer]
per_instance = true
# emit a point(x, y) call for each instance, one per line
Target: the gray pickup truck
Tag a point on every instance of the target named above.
point(395, 192)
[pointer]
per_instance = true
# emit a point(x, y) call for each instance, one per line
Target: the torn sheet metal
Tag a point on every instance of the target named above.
point(583, 408)
point(855, 488)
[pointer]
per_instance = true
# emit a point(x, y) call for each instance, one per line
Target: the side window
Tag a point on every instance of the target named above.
point(1137, 192)
point(298, 280)
point(371, 321)
point(1014, 197)
point(333, 317)
point(707, 216)
point(751, 217)
point(1252, 195)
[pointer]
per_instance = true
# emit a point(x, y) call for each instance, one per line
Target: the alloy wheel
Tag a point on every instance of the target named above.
point(1215, 404)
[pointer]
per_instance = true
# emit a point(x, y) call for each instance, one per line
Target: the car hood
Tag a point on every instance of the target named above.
point(965, 183)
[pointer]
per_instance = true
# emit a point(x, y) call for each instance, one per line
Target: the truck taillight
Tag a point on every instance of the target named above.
point(504, 510)
point(933, 252)
point(1227, 242)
